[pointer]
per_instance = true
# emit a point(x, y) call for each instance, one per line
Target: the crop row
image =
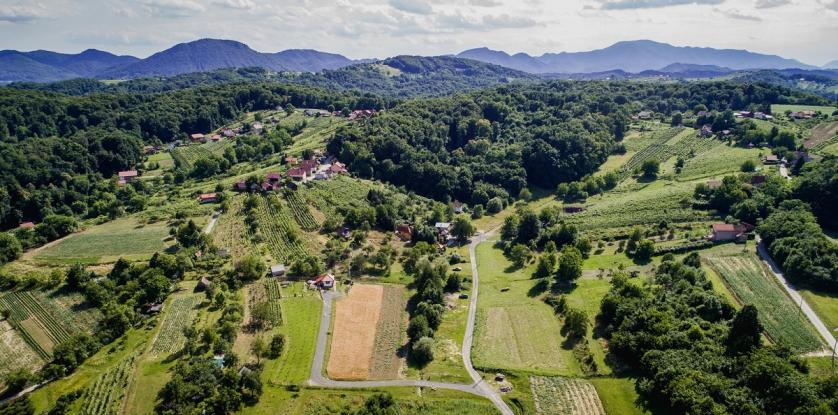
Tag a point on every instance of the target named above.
point(824, 144)
point(277, 229)
point(301, 213)
point(105, 395)
point(177, 316)
point(22, 305)
point(272, 287)
point(15, 352)
point(752, 284)
point(560, 396)
point(657, 150)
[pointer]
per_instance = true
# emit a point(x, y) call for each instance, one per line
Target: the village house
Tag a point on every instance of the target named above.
point(27, 225)
point(405, 232)
point(257, 127)
point(706, 130)
point(724, 232)
point(644, 115)
point(443, 228)
point(149, 150)
point(154, 308)
point(274, 177)
point(215, 137)
point(321, 175)
point(277, 270)
point(208, 198)
point(227, 132)
point(127, 176)
point(337, 168)
point(204, 284)
point(291, 160)
point(360, 114)
point(309, 166)
point(744, 114)
point(325, 282)
point(297, 173)
point(770, 159)
point(457, 206)
point(197, 137)
point(241, 186)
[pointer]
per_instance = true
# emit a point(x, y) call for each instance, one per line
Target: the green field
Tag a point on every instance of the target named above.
point(720, 160)
point(515, 330)
point(618, 396)
point(105, 243)
point(782, 108)
point(825, 306)
point(301, 322)
point(752, 284)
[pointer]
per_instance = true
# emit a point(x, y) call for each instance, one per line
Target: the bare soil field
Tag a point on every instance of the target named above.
point(353, 337)
point(388, 335)
point(821, 133)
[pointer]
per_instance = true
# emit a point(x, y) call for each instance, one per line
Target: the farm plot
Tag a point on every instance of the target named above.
point(353, 337)
point(40, 327)
point(15, 353)
point(186, 156)
point(565, 396)
point(300, 327)
point(267, 293)
point(388, 335)
point(300, 211)
point(752, 284)
point(278, 231)
point(105, 395)
point(721, 160)
point(229, 232)
point(101, 243)
point(656, 150)
point(177, 315)
point(820, 134)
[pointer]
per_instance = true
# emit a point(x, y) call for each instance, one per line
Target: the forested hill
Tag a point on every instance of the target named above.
point(491, 143)
point(400, 77)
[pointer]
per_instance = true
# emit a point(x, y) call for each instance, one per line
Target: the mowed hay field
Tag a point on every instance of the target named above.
point(513, 329)
point(386, 362)
point(107, 242)
point(565, 396)
point(752, 283)
point(353, 337)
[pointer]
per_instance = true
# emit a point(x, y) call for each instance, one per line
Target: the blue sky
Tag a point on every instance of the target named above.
point(801, 29)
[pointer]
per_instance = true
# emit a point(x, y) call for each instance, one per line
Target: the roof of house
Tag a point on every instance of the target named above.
point(128, 173)
point(324, 278)
point(207, 196)
point(296, 172)
point(205, 282)
point(723, 227)
point(274, 176)
point(277, 268)
point(403, 228)
point(27, 225)
point(197, 136)
point(241, 185)
point(771, 157)
point(444, 225)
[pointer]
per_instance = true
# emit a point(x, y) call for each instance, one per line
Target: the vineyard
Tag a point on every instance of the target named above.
point(179, 313)
point(301, 213)
point(672, 142)
point(278, 231)
point(752, 284)
point(723, 159)
point(565, 396)
point(229, 232)
point(268, 292)
point(186, 156)
point(341, 193)
point(34, 321)
point(105, 395)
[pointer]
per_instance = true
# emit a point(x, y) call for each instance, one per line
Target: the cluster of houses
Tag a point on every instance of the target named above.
point(323, 281)
point(753, 114)
point(360, 114)
point(802, 115)
point(322, 168)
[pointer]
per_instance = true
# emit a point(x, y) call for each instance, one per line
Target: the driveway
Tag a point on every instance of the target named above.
point(478, 387)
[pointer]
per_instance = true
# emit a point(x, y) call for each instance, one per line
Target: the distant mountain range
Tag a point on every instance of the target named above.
point(632, 56)
point(198, 56)
point(643, 57)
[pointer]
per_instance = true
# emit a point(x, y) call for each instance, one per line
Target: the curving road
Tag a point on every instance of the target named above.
point(478, 387)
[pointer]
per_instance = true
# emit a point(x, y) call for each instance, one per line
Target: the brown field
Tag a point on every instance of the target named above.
point(353, 337)
point(15, 353)
point(565, 396)
point(821, 133)
point(388, 335)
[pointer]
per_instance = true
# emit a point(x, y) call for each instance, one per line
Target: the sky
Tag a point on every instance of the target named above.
point(806, 30)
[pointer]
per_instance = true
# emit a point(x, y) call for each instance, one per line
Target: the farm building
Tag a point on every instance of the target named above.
point(208, 198)
point(458, 206)
point(291, 160)
point(443, 227)
point(215, 137)
point(309, 166)
point(197, 137)
point(228, 133)
point(241, 186)
point(727, 232)
point(321, 175)
point(127, 176)
point(404, 232)
point(27, 225)
point(644, 115)
point(274, 177)
point(706, 130)
point(277, 270)
point(297, 173)
point(770, 159)
point(154, 308)
point(257, 127)
point(204, 284)
point(325, 281)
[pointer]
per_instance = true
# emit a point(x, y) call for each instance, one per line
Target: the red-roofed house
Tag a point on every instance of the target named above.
point(404, 231)
point(215, 137)
point(197, 137)
point(337, 168)
point(274, 177)
point(127, 176)
point(309, 166)
point(27, 225)
point(297, 173)
point(207, 198)
point(723, 232)
point(325, 281)
point(241, 186)
point(291, 160)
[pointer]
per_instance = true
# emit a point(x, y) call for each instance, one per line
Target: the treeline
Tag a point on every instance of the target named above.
point(694, 354)
point(493, 143)
point(788, 217)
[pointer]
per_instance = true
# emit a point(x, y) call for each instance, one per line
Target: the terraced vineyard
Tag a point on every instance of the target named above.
point(565, 396)
point(278, 230)
point(300, 211)
point(186, 156)
point(752, 284)
point(178, 314)
point(40, 328)
point(105, 395)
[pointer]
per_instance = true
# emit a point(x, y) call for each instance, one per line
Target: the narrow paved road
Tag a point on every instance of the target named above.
point(479, 387)
point(823, 330)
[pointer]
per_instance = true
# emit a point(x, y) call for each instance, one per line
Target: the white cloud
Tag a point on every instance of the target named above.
point(412, 6)
point(485, 3)
point(507, 21)
point(736, 14)
point(236, 4)
point(172, 8)
point(651, 4)
point(829, 4)
point(20, 13)
point(767, 4)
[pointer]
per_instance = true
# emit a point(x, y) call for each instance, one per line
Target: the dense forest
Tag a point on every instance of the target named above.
point(492, 143)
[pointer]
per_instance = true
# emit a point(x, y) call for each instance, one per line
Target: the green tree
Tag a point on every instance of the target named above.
point(575, 322)
point(422, 351)
point(249, 268)
point(645, 250)
point(748, 166)
point(10, 248)
point(462, 229)
point(259, 348)
point(650, 168)
point(520, 255)
point(570, 265)
point(545, 266)
point(745, 331)
point(277, 345)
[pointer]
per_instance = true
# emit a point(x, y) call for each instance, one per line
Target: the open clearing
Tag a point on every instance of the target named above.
point(515, 330)
point(752, 284)
point(107, 242)
point(782, 108)
point(565, 396)
point(385, 362)
point(300, 324)
point(821, 133)
point(353, 337)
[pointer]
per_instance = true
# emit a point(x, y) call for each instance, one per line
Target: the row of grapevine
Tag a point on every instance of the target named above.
point(277, 229)
point(177, 315)
point(266, 294)
point(272, 287)
point(105, 395)
point(655, 151)
point(22, 306)
point(824, 144)
point(301, 213)
point(565, 396)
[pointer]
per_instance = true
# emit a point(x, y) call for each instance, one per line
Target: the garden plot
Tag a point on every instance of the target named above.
point(178, 314)
point(106, 394)
point(353, 337)
point(15, 353)
point(752, 284)
point(565, 396)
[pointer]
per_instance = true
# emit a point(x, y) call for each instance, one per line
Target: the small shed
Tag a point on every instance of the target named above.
point(277, 270)
point(204, 284)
